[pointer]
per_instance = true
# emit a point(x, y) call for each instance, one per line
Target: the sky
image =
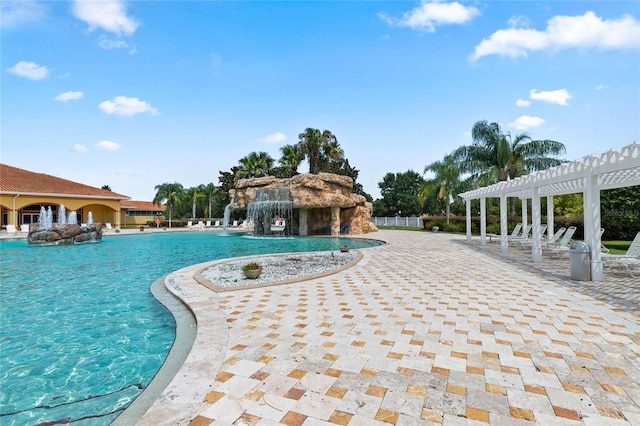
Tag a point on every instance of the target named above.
point(139, 93)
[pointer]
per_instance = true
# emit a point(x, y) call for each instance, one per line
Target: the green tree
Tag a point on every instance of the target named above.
point(209, 190)
point(191, 196)
point(400, 193)
point(342, 167)
point(317, 147)
point(256, 164)
point(168, 194)
point(289, 161)
point(446, 181)
point(495, 156)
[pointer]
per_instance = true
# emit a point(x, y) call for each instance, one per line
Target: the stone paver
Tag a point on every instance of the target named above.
point(428, 329)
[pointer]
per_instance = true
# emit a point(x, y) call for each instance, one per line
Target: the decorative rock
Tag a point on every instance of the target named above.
point(64, 234)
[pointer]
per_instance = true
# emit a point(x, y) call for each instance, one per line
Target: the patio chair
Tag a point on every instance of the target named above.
point(631, 258)
point(514, 233)
point(108, 226)
point(563, 245)
point(189, 224)
point(525, 234)
point(555, 237)
point(24, 228)
point(529, 241)
point(208, 224)
point(11, 229)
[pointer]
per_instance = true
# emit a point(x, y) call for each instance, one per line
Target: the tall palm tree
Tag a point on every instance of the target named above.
point(290, 160)
point(256, 164)
point(446, 181)
point(495, 156)
point(209, 191)
point(168, 194)
point(192, 195)
point(331, 153)
point(312, 146)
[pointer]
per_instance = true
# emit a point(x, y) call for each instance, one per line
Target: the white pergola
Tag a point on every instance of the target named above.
point(616, 168)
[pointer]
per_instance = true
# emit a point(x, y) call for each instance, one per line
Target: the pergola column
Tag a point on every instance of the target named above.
point(524, 212)
point(303, 228)
point(592, 224)
point(504, 242)
point(536, 222)
point(550, 221)
point(483, 221)
point(468, 205)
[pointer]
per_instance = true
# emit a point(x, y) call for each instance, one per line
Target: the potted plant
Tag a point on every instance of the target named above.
point(344, 248)
point(252, 270)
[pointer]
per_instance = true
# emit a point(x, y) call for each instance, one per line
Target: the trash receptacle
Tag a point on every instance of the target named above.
point(580, 261)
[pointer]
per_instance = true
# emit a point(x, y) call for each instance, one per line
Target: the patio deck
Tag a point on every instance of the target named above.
point(428, 329)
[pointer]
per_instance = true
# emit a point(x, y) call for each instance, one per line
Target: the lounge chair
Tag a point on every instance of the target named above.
point(563, 245)
point(235, 224)
point(525, 234)
point(24, 228)
point(278, 228)
point(631, 258)
point(11, 229)
point(555, 238)
point(108, 226)
point(217, 223)
point(189, 224)
point(514, 233)
point(529, 240)
point(208, 224)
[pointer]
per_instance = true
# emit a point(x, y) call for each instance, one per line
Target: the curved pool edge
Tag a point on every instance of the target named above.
point(186, 331)
point(180, 401)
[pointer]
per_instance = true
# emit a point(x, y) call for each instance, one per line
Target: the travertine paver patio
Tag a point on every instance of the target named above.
point(424, 330)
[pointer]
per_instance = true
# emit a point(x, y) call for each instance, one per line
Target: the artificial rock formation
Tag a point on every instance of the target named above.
point(64, 234)
point(324, 202)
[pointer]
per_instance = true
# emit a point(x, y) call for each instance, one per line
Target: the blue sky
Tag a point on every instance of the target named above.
point(135, 94)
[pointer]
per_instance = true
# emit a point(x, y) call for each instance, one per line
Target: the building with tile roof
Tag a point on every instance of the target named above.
point(23, 193)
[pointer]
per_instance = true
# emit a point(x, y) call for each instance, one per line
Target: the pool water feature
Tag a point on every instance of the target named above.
point(81, 334)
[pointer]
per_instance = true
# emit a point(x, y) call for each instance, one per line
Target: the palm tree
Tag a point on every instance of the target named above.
point(331, 154)
point(313, 147)
point(192, 195)
point(168, 194)
point(290, 160)
point(209, 191)
point(446, 181)
point(494, 156)
point(256, 164)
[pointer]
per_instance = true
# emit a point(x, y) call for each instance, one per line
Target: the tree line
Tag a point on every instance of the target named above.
point(493, 156)
point(320, 149)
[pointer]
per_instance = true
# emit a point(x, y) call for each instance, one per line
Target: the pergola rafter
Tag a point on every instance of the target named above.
point(616, 168)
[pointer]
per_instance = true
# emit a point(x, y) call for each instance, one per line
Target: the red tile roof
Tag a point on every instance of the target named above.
point(142, 205)
point(19, 181)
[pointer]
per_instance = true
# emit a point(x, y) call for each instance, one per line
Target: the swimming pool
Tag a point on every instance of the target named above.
point(81, 334)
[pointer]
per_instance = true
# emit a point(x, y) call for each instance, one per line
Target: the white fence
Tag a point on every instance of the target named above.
point(398, 221)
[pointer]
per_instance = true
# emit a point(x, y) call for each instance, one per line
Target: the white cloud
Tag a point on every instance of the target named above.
point(563, 32)
point(16, 13)
point(108, 43)
point(108, 15)
point(126, 107)
point(275, 138)
point(601, 86)
point(107, 146)
point(29, 70)
point(80, 148)
point(560, 96)
point(523, 103)
point(526, 122)
point(69, 96)
point(431, 14)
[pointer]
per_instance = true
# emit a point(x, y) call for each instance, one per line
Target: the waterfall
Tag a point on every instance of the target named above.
point(49, 221)
point(90, 218)
point(227, 214)
point(269, 205)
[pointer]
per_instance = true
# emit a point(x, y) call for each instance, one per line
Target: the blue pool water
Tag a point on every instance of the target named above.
point(81, 335)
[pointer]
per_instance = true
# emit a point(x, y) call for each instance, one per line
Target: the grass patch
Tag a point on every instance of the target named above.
point(617, 247)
